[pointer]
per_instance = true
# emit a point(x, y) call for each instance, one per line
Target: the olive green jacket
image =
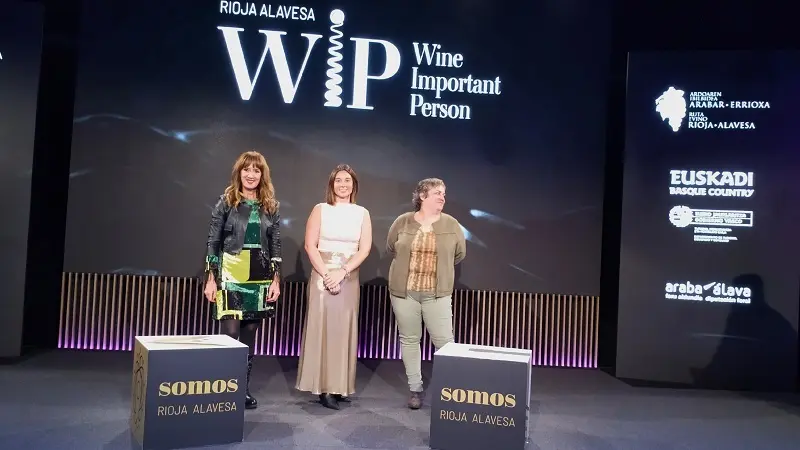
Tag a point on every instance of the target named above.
point(451, 249)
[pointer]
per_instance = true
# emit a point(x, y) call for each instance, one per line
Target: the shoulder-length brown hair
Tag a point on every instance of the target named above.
point(265, 191)
point(330, 196)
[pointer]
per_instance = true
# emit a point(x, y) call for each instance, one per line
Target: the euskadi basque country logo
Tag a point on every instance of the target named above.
point(711, 225)
point(713, 183)
point(673, 108)
point(440, 79)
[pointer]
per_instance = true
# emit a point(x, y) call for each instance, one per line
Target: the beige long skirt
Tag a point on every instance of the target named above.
point(330, 337)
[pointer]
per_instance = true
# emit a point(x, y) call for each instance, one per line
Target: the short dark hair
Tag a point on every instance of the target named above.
point(422, 189)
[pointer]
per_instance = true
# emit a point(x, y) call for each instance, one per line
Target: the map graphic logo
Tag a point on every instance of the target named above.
point(671, 105)
point(708, 110)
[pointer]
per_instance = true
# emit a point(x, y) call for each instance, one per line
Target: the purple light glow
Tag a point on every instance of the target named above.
point(105, 312)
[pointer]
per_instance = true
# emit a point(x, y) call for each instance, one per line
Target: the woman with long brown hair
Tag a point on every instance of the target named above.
point(338, 240)
point(243, 257)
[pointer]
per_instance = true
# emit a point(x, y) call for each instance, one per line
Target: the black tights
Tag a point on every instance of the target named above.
point(242, 330)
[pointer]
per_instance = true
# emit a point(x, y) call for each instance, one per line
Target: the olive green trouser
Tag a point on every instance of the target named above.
point(410, 312)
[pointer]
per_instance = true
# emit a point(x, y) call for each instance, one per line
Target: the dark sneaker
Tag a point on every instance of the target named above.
point(415, 402)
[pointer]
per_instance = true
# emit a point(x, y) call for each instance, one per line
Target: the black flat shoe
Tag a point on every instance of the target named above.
point(329, 401)
point(341, 398)
point(250, 402)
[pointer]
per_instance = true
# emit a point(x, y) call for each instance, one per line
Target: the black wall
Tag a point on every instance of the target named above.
point(668, 25)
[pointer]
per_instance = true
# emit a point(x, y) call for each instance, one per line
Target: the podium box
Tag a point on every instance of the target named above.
point(480, 397)
point(188, 391)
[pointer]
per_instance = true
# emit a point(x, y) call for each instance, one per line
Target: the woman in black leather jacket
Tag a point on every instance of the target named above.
point(244, 254)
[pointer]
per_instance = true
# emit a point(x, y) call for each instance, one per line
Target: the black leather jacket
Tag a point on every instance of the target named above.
point(226, 234)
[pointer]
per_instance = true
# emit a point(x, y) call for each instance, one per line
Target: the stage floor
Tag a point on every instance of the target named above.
point(80, 400)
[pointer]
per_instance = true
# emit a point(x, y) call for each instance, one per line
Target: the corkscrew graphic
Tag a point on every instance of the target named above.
point(332, 95)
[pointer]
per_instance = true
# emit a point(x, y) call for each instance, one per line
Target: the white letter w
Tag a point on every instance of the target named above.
point(273, 46)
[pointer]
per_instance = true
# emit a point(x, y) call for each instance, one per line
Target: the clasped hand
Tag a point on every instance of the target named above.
point(333, 280)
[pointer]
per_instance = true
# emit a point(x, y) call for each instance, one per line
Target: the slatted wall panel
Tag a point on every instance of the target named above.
point(106, 311)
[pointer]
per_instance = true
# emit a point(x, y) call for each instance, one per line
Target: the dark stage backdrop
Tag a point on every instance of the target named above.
point(709, 263)
point(170, 92)
point(20, 54)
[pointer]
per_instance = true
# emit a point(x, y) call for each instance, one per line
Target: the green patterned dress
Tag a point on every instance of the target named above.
point(245, 278)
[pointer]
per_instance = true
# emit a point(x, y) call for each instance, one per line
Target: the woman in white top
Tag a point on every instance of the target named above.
point(338, 240)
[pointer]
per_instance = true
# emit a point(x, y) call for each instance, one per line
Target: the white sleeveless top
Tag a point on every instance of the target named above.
point(340, 228)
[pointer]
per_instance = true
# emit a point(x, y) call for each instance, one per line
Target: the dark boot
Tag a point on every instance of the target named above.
point(415, 401)
point(249, 401)
point(329, 401)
